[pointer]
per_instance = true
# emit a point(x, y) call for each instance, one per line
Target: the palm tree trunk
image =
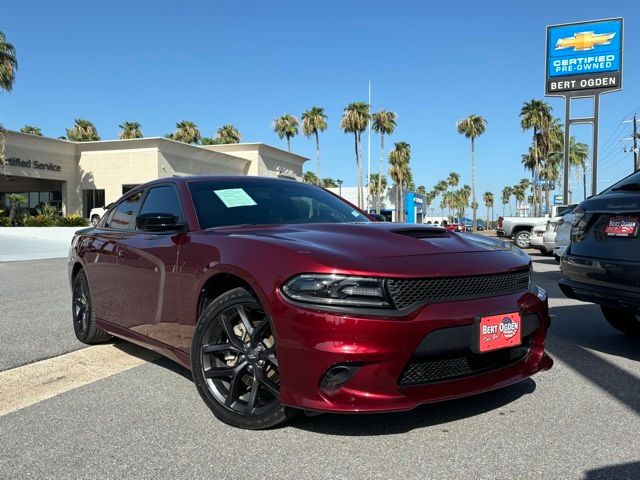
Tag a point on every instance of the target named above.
point(473, 183)
point(318, 156)
point(379, 204)
point(355, 137)
point(547, 199)
point(401, 202)
point(289, 143)
point(584, 182)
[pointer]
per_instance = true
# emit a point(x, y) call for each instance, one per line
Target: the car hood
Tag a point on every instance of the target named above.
point(369, 240)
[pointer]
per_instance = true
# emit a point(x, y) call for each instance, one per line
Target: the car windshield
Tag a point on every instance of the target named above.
point(267, 202)
point(630, 183)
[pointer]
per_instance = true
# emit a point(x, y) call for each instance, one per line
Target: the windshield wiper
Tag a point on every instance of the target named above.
point(238, 225)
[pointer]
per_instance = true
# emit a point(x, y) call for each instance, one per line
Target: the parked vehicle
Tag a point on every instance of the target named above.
point(281, 296)
point(602, 263)
point(97, 213)
point(563, 235)
point(536, 238)
point(519, 228)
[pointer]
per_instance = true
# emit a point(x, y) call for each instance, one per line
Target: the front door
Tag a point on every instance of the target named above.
point(147, 273)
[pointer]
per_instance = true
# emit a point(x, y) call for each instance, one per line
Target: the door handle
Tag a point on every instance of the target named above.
point(122, 253)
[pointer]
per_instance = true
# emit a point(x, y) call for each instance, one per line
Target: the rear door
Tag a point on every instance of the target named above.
point(147, 274)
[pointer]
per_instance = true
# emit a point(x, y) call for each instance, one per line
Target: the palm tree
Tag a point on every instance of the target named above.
point(472, 127)
point(377, 187)
point(578, 154)
point(465, 194)
point(310, 177)
point(329, 183)
point(82, 131)
point(31, 130)
point(314, 121)
point(186, 132)
point(488, 201)
point(384, 123)
point(227, 134)
point(399, 159)
point(8, 64)
point(506, 198)
point(453, 179)
point(354, 120)
point(535, 115)
point(130, 130)
point(15, 199)
point(519, 191)
point(286, 126)
point(440, 188)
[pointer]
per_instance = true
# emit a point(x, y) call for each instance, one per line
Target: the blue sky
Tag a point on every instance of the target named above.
point(247, 62)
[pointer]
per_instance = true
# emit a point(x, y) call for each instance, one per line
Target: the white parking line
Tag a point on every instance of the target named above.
point(33, 383)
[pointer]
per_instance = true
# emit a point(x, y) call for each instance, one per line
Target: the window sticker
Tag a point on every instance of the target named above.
point(355, 213)
point(235, 197)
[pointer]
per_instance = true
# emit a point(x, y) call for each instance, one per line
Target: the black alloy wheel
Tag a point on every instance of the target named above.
point(84, 321)
point(235, 367)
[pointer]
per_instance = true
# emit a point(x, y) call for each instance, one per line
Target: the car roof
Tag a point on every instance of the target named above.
point(221, 178)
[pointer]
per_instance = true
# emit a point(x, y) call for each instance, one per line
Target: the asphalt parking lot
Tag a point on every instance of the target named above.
point(580, 420)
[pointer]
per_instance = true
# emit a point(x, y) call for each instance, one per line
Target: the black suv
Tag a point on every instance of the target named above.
point(602, 264)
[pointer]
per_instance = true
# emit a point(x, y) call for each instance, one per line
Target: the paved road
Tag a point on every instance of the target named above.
point(35, 312)
point(578, 421)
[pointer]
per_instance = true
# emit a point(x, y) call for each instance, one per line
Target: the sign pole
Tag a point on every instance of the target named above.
point(594, 166)
point(565, 156)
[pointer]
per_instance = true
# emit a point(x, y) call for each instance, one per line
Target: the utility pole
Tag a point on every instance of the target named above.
point(636, 164)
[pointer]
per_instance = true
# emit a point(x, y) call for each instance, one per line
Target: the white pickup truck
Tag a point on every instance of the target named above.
point(519, 228)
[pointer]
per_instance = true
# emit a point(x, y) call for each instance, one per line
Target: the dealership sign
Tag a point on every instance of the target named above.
point(584, 56)
point(18, 162)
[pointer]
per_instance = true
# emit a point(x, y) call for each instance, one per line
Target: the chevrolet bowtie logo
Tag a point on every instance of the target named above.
point(584, 41)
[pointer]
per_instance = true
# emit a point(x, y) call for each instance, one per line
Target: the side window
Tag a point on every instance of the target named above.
point(162, 200)
point(124, 212)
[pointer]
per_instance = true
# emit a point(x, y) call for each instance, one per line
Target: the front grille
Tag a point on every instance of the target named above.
point(421, 371)
point(406, 293)
point(422, 232)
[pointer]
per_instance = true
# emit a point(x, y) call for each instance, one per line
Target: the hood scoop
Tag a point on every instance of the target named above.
point(422, 232)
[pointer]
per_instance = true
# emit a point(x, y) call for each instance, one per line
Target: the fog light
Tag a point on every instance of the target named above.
point(337, 376)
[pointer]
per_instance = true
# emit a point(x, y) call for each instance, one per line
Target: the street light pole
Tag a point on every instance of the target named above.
point(339, 182)
point(636, 164)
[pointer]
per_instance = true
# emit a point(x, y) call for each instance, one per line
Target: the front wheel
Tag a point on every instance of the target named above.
point(234, 362)
point(522, 239)
point(626, 321)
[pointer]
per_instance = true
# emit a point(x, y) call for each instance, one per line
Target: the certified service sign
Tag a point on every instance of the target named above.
point(584, 56)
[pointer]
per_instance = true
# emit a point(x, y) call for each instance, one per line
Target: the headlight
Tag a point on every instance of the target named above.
point(338, 290)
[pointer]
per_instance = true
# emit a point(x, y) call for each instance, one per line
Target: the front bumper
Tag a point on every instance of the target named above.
point(310, 342)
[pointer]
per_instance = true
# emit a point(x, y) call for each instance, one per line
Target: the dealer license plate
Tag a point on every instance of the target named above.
point(622, 226)
point(499, 331)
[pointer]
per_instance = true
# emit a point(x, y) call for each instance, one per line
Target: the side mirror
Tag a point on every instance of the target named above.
point(158, 222)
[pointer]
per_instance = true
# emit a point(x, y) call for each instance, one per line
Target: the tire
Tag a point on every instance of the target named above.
point(234, 364)
point(521, 239)
point(84, 318)
point(94, 220)
point(624, 320)
point(557, 258)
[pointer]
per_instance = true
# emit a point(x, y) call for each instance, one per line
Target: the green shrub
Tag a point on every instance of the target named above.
point(39, 221)
point(5, 222)
point(73, 220)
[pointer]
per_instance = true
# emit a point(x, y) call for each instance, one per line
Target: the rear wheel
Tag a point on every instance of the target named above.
point(84, 319)
point(234, 362)
point(626, 321)
point(522, 239)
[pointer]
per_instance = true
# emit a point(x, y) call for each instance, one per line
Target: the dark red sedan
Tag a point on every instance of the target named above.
point(280, 297)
